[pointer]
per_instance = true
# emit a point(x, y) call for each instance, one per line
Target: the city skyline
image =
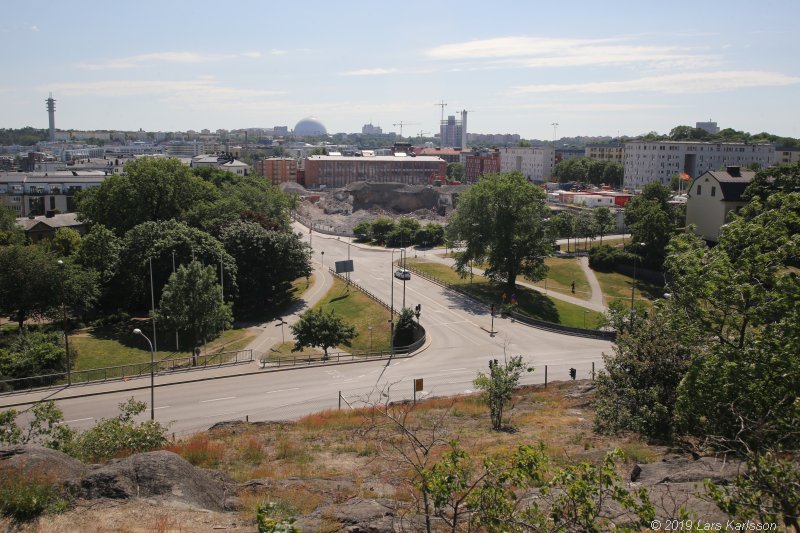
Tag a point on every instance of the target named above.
point(597, 69)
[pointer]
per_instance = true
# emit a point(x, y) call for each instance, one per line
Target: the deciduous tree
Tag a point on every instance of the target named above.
point(321, 329)
point(501, 219)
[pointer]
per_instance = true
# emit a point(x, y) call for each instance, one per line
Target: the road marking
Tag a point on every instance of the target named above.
point(162, 407)
point(221, 414)
point(77, 420)
point(219, 399)
point(379, 279)
point(455, 370)
point(283, 390)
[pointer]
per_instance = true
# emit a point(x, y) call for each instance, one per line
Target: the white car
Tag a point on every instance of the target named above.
point(402, 273)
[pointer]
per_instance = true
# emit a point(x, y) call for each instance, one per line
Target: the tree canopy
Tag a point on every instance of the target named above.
point(653, 221)
point(192, 303)
point(317, 328)
point(589, 170)
point(501, 221)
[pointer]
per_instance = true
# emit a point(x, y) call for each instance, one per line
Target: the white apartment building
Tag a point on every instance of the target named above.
point(184, 148)
point(649, 161)
point(37, 193)
point(535, 163)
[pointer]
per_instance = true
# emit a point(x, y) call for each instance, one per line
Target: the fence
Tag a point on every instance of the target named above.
point(123, 372)
point(540, 324)
point(341, 357)
point(327, 229)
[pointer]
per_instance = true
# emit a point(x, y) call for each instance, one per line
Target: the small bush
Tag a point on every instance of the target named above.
point(253, 451)
point(24, 496)
point(603, 258)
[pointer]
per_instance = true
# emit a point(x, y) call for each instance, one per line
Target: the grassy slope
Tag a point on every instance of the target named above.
point(531, 302)
point(617, 286)
point(562, 272)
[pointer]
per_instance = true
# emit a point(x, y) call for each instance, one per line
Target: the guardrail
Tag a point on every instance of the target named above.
point(341, 357)
point(125, 372)
point(529, 321)
point(362, 289)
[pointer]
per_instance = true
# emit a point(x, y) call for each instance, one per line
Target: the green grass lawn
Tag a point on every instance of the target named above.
point(356, 308)
point(531, 302)
point(562, 272)
point(617, 286)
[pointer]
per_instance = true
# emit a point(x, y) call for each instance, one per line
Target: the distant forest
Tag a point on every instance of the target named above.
point(22, 136)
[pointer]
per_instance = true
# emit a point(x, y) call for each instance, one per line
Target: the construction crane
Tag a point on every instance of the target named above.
point(441, 104)
point(401, 124)
point(423, 133)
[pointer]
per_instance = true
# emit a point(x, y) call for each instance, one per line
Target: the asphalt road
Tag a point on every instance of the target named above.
point(460, 345)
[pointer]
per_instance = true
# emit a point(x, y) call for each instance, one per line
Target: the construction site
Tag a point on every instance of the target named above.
point(340, 210)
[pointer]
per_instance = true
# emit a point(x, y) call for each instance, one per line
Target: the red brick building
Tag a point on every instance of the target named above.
point(482, 163)
point(277, 169)
point(338, 171)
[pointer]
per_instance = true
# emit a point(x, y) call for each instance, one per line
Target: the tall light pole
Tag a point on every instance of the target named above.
point(60, 264)
point(281, 324)
point(177, 344)
point(633, 285)
point(153, 304)
point(391, 307)
point(137, 331)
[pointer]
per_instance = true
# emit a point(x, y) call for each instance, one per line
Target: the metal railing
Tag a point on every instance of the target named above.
point(268, 361)
point(362, 289)
point(125, 372)
point(524, 319)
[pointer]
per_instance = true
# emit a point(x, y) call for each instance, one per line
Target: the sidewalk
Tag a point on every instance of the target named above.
point(593, 283)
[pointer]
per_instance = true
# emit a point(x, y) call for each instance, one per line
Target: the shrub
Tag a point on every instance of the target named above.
point(603, 258)
point(199, 451)
point(24, 496)
point(120, 436)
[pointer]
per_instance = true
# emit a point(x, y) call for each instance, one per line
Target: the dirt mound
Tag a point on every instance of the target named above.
point(163, 475)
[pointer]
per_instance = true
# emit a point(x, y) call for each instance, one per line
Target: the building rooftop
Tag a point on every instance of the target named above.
point(382, 158)
point(60, 220)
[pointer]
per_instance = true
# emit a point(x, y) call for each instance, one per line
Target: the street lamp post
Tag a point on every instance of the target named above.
point(281, 324)
point(585, 311)
point(137, 331)
point(633, 285)
point(370, 337)
point(66, 325)
point(322, 258)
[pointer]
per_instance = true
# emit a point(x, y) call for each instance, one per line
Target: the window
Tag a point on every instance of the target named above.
point(699, 188)
point(713, 191)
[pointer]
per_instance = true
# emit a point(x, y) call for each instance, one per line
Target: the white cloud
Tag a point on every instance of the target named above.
point(165, 57)
point(536, 52)
point(369, 72)
point(685, 83)
point(34, 28)
point(277, 52)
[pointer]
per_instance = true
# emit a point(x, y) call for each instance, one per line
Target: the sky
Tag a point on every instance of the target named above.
point(593, 68)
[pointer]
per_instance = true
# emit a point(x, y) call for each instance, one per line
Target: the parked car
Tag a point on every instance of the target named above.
point(402, 273)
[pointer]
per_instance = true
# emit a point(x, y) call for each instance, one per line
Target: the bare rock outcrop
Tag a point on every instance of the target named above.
point(160, 475)
point(33, 460)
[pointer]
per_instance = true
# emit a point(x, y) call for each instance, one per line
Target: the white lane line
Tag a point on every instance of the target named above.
point(77, 420)
point(453, 369)
point(222, 414)
point(379, 279)
point(162, 407)
point(283, 390)
point(219, 399)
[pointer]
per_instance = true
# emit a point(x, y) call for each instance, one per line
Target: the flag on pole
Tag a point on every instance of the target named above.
point(685, 177)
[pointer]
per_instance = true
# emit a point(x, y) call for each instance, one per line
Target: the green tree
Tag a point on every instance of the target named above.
point(381, 227)
point(151, 189)
point(192, 303)
point(404, 232)
point(455, 172)
point(636, 390)
point(498, 386)
point(604, 221)
point(743, 293)
point(784, 178)
point(502, 221)
point(651, 220)
point(33, 354)
point(166, 243)
point(65, 242)
point(563, 225)
point(10, 232)
point(100, 251)
point(319, 150)
point(404, 330)
point(363, 230)
point(29, 282)
point(321, 329)
point(267, 261)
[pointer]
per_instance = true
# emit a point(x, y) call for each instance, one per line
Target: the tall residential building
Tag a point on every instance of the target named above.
point(649, 161)
point(369, 129)
point(785, 154)
point(710, 127)
point(184, 148)
point(450, 132)
point(535, 163)
point(277, 169)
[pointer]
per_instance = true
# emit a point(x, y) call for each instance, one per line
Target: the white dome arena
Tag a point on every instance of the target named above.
point(310, 127)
